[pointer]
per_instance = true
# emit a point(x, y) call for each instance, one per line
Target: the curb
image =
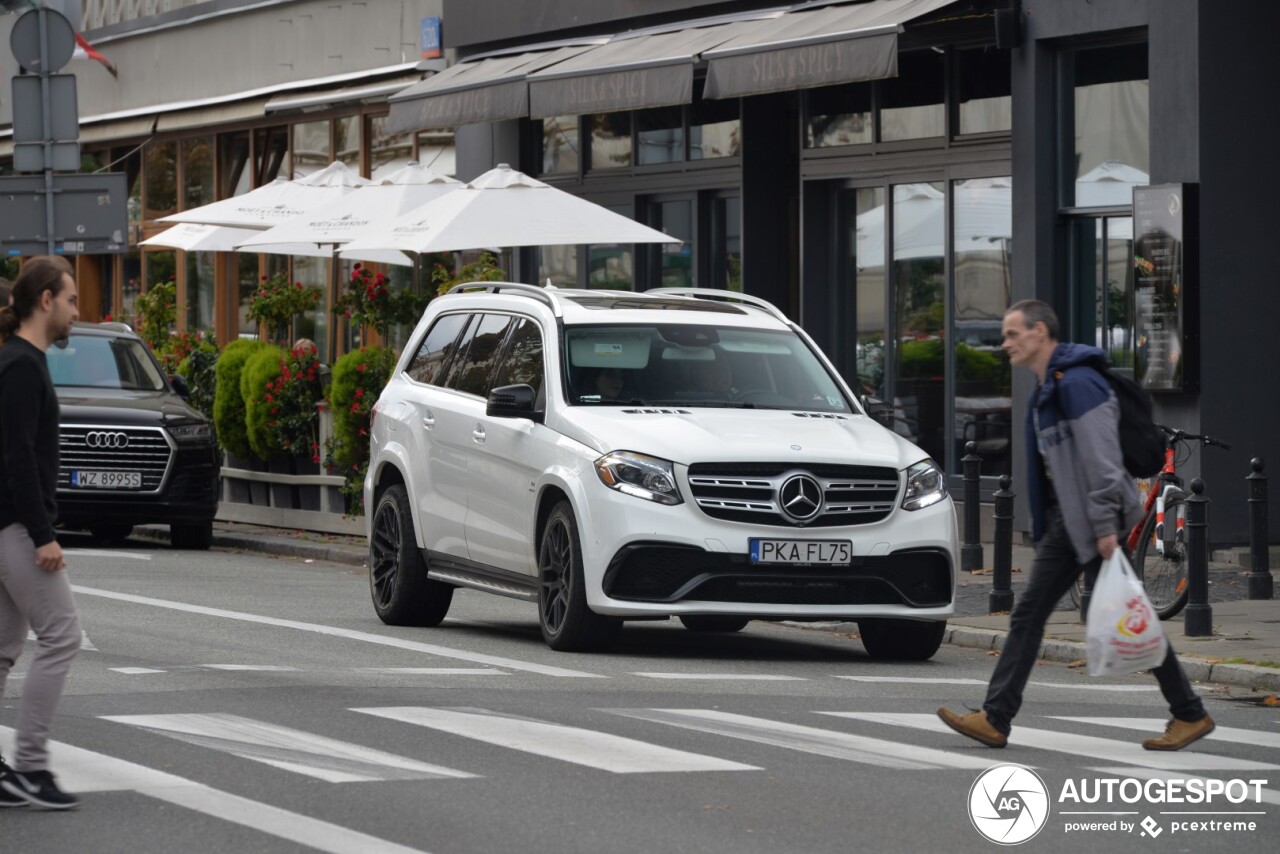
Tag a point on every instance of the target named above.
point(279, 546)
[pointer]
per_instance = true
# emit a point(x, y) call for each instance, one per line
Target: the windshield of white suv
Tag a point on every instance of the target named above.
point(685, 365)
point(103, 362)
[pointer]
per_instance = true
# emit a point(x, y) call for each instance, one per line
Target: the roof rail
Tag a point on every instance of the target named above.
point(540, 294)
point(724, 296)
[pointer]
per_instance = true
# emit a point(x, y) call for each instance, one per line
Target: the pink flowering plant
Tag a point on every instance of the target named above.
point(370, 300)
point(278, 301)
point(289, 399)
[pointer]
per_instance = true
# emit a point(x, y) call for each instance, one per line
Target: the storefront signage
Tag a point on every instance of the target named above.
point(485, 103)
point(429, 41)
point(610, 91)
point(1164, 246)
point(746, 73)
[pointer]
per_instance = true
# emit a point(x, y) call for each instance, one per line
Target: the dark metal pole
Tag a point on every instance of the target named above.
point(971, 550)
point(1000, 599)
point(1260, 583)
point(1199, 619)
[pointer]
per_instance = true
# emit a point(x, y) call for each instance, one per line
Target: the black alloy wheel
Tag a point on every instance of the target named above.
point(902, 640)
point(567, 623)
point(402, 593)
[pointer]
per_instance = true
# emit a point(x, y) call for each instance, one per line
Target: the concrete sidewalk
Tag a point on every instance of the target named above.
point(1243, 651)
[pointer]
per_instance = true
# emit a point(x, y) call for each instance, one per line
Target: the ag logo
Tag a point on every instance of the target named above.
point(1008, 804)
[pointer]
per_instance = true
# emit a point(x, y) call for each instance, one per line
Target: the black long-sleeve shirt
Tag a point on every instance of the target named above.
point(28, 441)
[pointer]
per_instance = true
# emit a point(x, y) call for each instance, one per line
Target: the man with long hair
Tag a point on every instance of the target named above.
point(34, 589)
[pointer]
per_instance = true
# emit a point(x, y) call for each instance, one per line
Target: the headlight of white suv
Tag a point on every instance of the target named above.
point(642, 476)
point(926, 485)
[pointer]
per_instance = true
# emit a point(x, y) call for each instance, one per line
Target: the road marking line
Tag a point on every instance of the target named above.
point(823, 742)
point(432, 671)
point(1236, 735)
point(1268, 796)
point(135, 671)
point(289, 749)
point(272, 668)
point(724, 677)
point(334, 631)
point(913, 680)
point(106, 553)
point(83, 770)
point(594, 749)
point(1125, 752)
point(1084, 686)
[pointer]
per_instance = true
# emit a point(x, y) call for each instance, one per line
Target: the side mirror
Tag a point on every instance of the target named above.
point(878, 410)
point(513, 401)
point(180, 387)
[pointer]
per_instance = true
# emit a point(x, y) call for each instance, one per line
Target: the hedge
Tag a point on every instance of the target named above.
point(262, 367)
point(228, 404)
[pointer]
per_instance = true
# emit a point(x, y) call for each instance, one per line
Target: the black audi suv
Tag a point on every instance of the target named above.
point(132, 450)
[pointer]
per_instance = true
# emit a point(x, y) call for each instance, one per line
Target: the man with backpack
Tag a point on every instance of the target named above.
point(1082, 502)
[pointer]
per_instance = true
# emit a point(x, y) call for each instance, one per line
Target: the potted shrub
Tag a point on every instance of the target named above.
point(228, 404)
point(369, 301)
point(358, 379)
point(277, 302)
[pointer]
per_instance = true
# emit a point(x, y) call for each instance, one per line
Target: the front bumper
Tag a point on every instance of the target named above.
point(189, 494)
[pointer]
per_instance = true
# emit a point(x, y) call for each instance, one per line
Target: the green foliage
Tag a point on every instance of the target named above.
point(228, 404)
point(369, 300)
point(358, 380)
point(262, 368)
point(199, 368)
point(483, 269)
point(277, 302)
point(156, 310)
point(923, 359)
point(292, 418)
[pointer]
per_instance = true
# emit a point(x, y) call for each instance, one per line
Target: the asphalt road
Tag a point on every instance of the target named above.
point(228, 702)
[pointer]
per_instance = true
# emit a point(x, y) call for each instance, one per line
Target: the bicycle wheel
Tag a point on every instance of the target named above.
point(1077, 591)
point(1164, 576)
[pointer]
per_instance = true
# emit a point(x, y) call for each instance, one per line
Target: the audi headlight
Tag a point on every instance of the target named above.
point(926, 485)
point(190, 434)
point(642, 476)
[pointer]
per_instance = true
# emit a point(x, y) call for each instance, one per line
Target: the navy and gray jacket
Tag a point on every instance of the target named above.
point(1073, 452)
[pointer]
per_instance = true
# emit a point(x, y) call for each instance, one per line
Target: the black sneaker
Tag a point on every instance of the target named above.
point(6, 799)
point(39, 788)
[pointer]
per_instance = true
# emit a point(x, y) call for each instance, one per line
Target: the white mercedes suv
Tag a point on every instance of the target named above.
point(612, 455)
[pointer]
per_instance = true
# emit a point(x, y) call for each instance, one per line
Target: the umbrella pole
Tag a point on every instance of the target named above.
point(335, 320)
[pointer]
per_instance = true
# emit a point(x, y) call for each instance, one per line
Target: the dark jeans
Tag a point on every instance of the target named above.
point(1052, 574)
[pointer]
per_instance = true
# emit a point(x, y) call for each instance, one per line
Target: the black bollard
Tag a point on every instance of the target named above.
point(971, 549)
point(1260, 583)
point(1199, 619)
point(1001, 596)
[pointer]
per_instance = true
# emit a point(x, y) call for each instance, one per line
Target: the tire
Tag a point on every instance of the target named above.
point(567, 623)
point(1076, 591)
point(398, 584)
point(1164, 576)
point(191, 536)
point(902, 640)
point(714, 623)
point(111, 533)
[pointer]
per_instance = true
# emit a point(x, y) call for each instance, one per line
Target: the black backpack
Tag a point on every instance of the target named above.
point(1141, 441)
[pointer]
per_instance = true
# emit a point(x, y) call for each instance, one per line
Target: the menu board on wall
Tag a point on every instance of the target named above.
point(1163, 246)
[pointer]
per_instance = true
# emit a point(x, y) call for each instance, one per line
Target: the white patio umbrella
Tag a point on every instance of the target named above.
point(336, 222)
point(277, 202)
point(502, 208)
point(190, 237)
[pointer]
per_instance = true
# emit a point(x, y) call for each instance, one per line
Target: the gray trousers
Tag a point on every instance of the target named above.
point(30, 596)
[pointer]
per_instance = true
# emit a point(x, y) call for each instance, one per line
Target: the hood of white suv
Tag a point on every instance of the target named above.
point(700, 434)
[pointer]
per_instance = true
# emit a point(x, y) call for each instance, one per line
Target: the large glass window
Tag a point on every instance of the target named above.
point(612, 265)
point(726, 243)
point(561, 145)
point(867, 247)
point(436, 151)
point(197, 172)
point(1112, 125)
point(310, 152)
point(387, 151)
point(715, 129)
point(1103, 273)
point(313, 323)
point(346, 141)
point(160, 179)
point(201, 287)
point(271, 154)
point(247, 281)
point(660, 135)
point(610, 140)
point(558, 265)
point(159, 267)
point(983, 90)
point(233, 153)
point(913, 103)
point(983, 224)
point(919, 315)
point(838, 115)
point(675, 260)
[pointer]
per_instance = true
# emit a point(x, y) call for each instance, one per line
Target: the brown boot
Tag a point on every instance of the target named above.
point(975, 725)
point(1178, 734)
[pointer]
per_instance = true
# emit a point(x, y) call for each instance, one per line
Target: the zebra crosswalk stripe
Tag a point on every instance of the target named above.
point(823, 742)
point(1110, 750)
point(594, 749)
point(288, 749)
point(1235, 735)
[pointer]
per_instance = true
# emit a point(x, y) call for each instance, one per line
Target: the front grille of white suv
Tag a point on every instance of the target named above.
point(751, 492)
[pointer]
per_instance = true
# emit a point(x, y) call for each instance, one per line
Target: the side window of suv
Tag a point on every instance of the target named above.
point(478, 354)
point(523, 363)
point(436, 349)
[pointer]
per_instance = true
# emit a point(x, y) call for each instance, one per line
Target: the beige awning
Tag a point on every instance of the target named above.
point(367, 92)
point(627, 73)
point(485, 90)
point(216, 114)
point(822, 47)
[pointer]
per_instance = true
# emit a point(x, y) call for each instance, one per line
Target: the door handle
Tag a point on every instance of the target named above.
point(478, 433)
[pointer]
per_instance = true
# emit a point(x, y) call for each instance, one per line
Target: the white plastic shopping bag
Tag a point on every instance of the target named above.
point(1124, 634)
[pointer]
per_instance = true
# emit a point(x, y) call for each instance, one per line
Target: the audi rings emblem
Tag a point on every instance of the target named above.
point(106, 439)
point(800, 497)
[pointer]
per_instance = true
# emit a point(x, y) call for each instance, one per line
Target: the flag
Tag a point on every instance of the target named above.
point(84, 50)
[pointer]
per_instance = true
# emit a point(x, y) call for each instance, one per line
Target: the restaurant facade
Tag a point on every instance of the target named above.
point(892, 173)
